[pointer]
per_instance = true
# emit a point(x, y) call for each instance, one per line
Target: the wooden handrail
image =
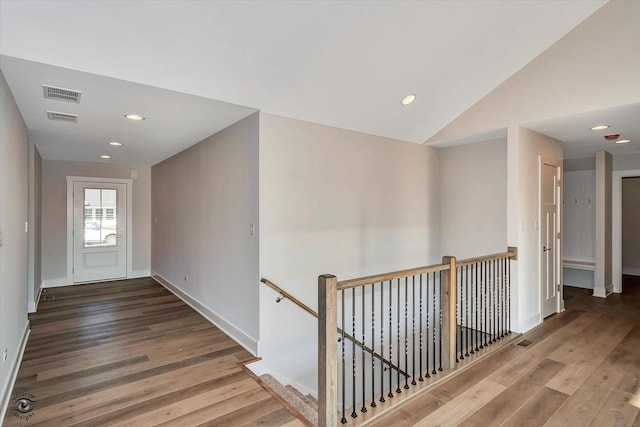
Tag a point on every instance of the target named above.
point(469, 261)
point(288, 296)
point(348, 336)
point(362, 281)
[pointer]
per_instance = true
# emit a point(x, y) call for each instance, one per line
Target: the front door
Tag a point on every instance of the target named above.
point(99, 231)
point(549, 239)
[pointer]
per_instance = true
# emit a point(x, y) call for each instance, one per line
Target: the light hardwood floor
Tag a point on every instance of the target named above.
point(581, 369)
point(131, 353)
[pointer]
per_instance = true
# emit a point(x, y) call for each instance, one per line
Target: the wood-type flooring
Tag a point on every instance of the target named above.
point(581, 369)
point(130, 353)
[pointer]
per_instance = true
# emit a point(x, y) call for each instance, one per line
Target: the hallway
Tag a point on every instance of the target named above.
point(131, 353)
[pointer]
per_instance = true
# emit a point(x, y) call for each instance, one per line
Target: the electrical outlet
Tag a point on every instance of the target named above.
point(186, 278)
point(5, 352)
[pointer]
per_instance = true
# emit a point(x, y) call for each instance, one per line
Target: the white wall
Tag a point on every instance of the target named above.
point(54, 214)
point(14, 176)
point(473, 199)
point(339, 202)
point(526, 147)
point(565, 79)
point(603, 282)
point(204, 201)
point(579, 215)
point(631, 226)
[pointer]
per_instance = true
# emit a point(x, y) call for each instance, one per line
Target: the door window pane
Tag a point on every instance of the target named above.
point(100, 217)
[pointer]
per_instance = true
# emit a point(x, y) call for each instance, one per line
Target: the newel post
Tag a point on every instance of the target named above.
point(327, 351)
point(448, 300)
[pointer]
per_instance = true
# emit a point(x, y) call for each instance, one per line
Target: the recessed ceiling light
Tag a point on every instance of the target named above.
point(623, 141)
point(408, 99)
point(600, 127)
point(115, 143)
point(135, 117)
point(105, 156)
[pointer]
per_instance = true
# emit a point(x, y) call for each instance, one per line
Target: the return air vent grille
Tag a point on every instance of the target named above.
point(62, 117)
point(60, 94)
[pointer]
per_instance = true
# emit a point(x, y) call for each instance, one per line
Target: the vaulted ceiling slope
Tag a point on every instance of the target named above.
point(593, 69)
point(340, 63)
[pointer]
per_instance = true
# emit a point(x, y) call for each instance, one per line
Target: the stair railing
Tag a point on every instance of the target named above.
point(423, 320)
point(341, 333)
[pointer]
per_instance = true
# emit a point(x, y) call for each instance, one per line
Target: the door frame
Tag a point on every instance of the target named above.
point(558, 241)
point(616, 226)
point(71, 180)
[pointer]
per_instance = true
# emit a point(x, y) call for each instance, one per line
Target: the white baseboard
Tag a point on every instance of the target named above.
point(55, 283)
point(578, 285)
point(260, 368)
point(522, 326)
point(33, 305)
point(250, 344)
point(137, 274)
point(5, 397)
point(602, 293)
point(631, 271)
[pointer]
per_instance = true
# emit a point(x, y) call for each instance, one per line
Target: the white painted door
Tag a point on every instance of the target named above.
point(99, 231)
point(549, 239)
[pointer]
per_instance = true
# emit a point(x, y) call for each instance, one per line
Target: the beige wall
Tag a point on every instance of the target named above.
point(473, 199)
point(631, 226)
point(14, 176)
point(54, 214)
point(35, 225)
point(595, 66)
point(204, 201)
point(339, 202)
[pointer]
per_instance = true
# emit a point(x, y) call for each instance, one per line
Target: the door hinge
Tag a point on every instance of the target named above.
point(558, 286)
point(558, 236)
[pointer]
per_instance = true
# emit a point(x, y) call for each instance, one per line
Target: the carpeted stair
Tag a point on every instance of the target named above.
point(307, 405)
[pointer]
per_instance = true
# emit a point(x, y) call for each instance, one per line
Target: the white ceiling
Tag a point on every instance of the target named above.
point(174, 121)
point(343, 64)
point(580, 141)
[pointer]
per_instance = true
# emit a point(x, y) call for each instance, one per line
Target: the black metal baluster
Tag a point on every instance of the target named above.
point(461, 276)
point(354, 414)
point(498, 287)
point(433, 371)
point(343, 327)
point(458, 347)
point(466, 310)
point(505, 261)
point(486, 302)
point(495, 303)
point(413, 330)
point(373, 345)
point(364, 398)
point(470, 286)
point(398, 390)
point(420, 378)
point(482, 313)
point(406, 330)
point(382, 368)
point(475, 303)
point(440, 325)
point(428, 333)
point(390, 394)
point(502, 289)
point(509, 295)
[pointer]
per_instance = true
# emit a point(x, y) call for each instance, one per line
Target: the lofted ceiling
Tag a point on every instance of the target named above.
point(340, 63)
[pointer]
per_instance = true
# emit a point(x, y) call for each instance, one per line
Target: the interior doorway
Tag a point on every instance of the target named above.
point(616, 219)
point(550, 243)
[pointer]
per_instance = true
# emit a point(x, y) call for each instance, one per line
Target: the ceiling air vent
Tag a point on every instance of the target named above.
point(60, 94)
point(62, 117)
